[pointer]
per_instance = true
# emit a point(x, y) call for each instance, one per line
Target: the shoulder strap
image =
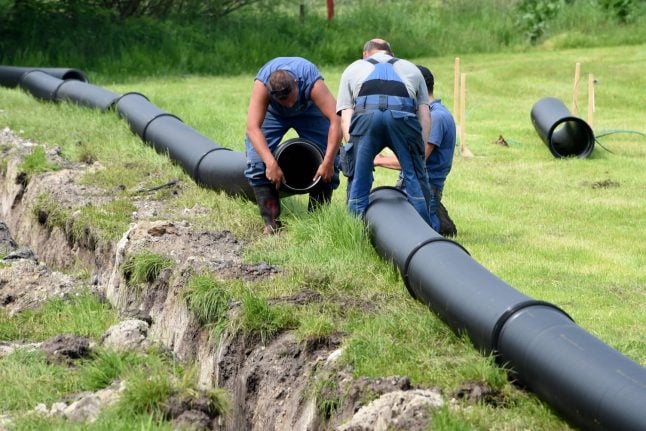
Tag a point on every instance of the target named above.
point(375, 62)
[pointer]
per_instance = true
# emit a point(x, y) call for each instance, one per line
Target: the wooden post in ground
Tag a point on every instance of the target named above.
point(575, 93)
point(464, 150)
point(591, 101)
point(456, 87)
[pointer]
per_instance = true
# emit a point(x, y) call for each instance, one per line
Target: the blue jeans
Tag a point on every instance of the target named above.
point(372, 131)
point(310, 125)
point(433, 203)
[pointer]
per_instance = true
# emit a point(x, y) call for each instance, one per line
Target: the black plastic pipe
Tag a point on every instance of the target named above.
point(139, 112)
point(10, 75)
point(302, 159)
point(47, 87)
point(88, 95)
point(564, 134)
point(206, 162)
point(40, 85)
point(591, 384)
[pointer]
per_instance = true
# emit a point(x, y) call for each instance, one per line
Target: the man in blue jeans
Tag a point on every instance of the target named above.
point(383, 102)
point(289, 93)
point(441, 144)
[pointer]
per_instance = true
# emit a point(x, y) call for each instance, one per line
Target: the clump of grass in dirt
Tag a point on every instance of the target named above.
point(144, 267)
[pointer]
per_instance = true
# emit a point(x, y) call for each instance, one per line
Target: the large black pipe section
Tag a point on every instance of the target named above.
point(40, 85)
point(47, 87)
point(591, 384)
point(564, 134)
point(10, 75)
point(205, 162)
point(209, 164)
point(88, 95)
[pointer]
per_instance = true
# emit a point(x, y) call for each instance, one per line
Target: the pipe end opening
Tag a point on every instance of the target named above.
point(571, 137)
point(299, 160)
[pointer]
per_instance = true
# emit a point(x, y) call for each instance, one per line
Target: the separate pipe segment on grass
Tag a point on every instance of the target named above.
point(592, 385)
point(564, 134)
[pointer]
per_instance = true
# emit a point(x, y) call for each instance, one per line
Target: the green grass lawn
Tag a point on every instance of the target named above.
point(567, 231)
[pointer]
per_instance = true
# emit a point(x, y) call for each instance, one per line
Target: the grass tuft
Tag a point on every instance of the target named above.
point(144, 267)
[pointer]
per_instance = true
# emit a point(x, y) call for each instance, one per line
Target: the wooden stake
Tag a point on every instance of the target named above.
point(591, 100)
point(456, 87)
point(464, 150)
point(575, 93)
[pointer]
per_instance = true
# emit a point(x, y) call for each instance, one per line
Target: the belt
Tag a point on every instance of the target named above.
point(389, 107)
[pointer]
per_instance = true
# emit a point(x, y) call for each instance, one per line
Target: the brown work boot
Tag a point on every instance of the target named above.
point(269, 204)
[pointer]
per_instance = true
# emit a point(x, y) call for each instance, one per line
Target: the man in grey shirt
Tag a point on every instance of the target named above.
point(383, 102)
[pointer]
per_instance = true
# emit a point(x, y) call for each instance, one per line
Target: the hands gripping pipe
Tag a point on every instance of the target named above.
point(592, 385)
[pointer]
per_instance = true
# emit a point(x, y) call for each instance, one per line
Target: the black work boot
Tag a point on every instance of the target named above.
point(447, 227)
point(320, 196)
point(269, 204)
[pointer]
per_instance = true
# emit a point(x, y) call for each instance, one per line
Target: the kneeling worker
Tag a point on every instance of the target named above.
point(289, 93)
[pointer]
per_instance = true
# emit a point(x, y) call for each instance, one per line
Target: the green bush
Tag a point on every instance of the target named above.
point(121, 48)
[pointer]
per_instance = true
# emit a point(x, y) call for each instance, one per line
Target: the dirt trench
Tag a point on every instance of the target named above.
point(272, 386)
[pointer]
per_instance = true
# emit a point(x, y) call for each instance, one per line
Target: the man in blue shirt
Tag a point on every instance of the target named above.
point(441, 144)
point(289, 93)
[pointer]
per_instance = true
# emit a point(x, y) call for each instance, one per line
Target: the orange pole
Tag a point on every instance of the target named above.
point(330, 10)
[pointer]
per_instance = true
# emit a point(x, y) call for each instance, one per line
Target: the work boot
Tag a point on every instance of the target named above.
point(319, 197)
point(269, 205)
point(447, 227)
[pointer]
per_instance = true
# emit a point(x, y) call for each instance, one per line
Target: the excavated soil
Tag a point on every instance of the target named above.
point(270, 385)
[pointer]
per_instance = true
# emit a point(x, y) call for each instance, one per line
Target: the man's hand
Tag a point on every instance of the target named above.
point(275, 174)
point(324, 172)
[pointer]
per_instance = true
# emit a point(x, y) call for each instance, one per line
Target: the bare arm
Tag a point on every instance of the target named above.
point(424, 116)
point(389, 162)
point(346, 116)
point(255, 116)
point(323, 99)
